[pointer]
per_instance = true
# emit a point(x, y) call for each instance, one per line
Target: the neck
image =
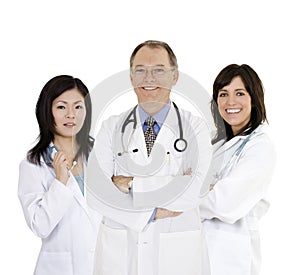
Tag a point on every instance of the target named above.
point(152, 108)
point(67, 144)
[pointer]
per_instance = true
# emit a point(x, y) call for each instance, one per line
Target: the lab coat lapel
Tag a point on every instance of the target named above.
point(227, 149)
point(223, 147)
point(169, 126)
point(139, 138)
point(73, 185)
point(168, 129)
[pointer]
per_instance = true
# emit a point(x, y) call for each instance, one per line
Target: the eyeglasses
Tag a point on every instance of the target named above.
point(156, 71)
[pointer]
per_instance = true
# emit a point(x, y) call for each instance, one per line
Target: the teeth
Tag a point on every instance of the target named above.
point(233, 111)
point(149, 88)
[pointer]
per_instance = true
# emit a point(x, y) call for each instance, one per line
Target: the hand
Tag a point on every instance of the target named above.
point(60, 165)
point(122, 183)
point(188, 172)
point(211, 187)
point(162, 213)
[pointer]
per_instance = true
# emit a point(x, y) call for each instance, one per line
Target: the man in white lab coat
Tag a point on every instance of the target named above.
point(164, 181)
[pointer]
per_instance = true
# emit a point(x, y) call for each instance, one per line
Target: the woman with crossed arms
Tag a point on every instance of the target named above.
point(243, 163)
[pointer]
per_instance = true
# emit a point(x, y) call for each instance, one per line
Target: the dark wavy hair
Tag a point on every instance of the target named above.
point(52, 89)
point(255, 89)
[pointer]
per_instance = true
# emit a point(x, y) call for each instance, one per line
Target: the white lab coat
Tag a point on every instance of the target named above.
point(238, 200)
point(128, 244)
point(60, 216)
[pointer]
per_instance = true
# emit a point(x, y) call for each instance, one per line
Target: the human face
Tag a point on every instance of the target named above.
point(69, 113)
point(234, 104)
point(152, 76)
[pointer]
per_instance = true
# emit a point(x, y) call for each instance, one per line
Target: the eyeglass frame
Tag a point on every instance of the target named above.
point(154, 75)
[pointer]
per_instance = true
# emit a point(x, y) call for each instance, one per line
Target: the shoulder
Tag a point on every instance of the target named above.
point(29, 169)
point(196, 123)
point(262, 135)
point(26, 164)
point(113, 120)
point(189, 116)
point(261, 142)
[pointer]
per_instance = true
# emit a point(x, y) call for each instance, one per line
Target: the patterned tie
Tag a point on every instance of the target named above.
point(149, 134)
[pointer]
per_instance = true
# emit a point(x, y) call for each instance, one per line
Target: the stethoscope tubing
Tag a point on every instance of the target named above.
point(128, 120)
point(234, 156)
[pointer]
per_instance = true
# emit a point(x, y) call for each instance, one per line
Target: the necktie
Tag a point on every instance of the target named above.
point(149, 134)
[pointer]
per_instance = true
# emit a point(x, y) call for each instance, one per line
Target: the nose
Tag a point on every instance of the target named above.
point(70, 113)
point(231, 100)
point(149, 74)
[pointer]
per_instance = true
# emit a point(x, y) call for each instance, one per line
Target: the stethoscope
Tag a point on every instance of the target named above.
point(52, 149)
point(237, 152)
point(180, 144)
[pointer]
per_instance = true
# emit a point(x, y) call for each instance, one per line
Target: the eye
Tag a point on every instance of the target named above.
point(79, 107)
point(61, 107)
point(240, 93)
point(223, 94)
point(159, 70)
point(139, 70)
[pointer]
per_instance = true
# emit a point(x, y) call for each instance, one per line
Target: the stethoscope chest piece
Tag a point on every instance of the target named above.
point(180, 144)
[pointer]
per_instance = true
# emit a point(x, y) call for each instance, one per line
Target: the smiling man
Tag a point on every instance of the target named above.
point(154, 71)
point(160, 165)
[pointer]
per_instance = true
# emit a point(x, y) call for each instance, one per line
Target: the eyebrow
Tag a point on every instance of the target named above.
point(235, 90)
point(157, 65)
point(66, 102)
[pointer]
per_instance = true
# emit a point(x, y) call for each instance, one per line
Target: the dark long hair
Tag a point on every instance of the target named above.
point(54, 88)
point(255, 89)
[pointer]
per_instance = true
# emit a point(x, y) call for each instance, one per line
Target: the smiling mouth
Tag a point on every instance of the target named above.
point(69, 124)
point(150, 88)
point(232, 111)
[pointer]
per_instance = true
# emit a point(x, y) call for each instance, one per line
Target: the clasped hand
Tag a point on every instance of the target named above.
point(60, 164)
point(122, 183)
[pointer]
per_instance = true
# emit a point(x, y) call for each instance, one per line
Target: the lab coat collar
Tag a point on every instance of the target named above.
point(159, 117)
point(262, 128)
point(171, 122)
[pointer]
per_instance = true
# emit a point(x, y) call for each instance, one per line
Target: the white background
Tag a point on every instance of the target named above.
point(94, 39)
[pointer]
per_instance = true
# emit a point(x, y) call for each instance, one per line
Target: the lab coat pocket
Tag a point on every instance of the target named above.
point(58, 263)
point(111, 251)
point(182, 253)
point(229, 252)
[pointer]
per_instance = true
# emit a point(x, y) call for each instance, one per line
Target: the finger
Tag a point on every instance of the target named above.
point(60, 162)
point(176, 214)
point(60, 157)
point(188, 172)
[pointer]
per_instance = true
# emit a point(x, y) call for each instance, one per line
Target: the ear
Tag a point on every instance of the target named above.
point(131, 80)
point(175, 76)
